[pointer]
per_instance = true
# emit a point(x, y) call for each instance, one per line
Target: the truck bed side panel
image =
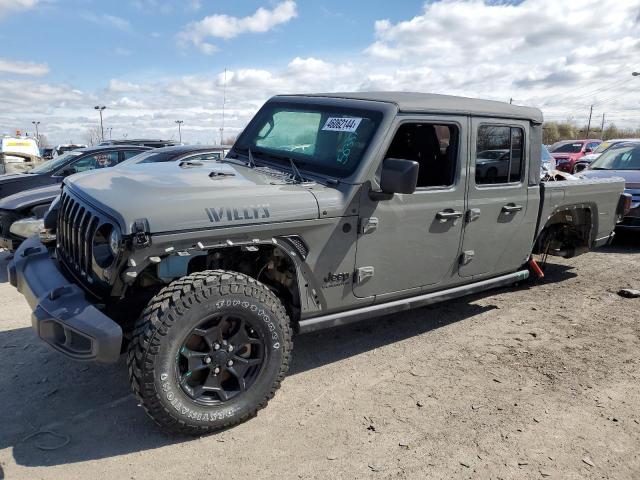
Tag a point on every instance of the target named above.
point(600, 196)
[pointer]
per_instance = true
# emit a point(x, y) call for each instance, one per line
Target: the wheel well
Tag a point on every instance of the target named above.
point(567, 233)
point(268, 264)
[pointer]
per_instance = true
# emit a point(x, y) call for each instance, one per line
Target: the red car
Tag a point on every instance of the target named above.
point(568, 152)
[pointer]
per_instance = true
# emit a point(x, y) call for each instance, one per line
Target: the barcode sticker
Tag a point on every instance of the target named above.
point(337, 124)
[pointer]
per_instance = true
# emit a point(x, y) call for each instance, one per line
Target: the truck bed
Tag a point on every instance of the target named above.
point(600, 196)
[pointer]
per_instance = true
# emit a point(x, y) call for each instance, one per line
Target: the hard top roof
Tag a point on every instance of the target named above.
point(431, 102)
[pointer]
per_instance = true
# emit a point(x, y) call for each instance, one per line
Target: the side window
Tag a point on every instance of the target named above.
point(127, 154)
point(92, 162)
point(592, 146)
point(433, 146)
point(499, 154)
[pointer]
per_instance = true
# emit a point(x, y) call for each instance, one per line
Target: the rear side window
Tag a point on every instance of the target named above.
point(499, 154)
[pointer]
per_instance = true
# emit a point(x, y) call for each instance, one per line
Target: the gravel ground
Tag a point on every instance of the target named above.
point(538, 381)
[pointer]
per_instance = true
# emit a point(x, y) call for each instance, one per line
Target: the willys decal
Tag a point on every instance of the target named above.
point(251, 212)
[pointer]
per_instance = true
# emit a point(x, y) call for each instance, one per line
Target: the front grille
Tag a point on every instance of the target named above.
point(76, 225)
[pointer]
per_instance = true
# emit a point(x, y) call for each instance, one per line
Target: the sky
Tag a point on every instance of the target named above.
point(151, 62)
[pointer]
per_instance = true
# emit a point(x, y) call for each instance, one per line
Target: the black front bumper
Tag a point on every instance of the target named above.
point(62, 316)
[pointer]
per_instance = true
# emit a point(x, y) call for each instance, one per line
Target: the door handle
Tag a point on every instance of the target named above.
point(511, 208)
point(446, 215)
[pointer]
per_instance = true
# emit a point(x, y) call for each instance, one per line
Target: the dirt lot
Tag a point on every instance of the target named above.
point(539, 381)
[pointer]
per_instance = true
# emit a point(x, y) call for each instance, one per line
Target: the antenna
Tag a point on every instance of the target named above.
point(224, 101)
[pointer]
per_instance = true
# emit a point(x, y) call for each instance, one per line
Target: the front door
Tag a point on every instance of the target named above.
point(413, 240)
point(499, 226)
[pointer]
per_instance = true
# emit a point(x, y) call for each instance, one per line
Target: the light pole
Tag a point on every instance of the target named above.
point(109, 128)
point(180, 122)
point(100, 109)
point(37, 133)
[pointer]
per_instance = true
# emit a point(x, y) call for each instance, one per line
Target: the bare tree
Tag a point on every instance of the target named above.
point(93, 136)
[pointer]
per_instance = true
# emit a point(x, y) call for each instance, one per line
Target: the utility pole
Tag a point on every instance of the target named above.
point(589, 124)
point(180, 122)
point(37, 134)
point(110, 129)
point(224, 101)
point(602, 127)
point(511, 101)
point(100, 109)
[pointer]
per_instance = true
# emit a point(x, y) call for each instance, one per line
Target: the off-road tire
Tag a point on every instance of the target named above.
point(170, 315)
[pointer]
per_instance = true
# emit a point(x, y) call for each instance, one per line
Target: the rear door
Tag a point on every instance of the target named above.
point(499, 226)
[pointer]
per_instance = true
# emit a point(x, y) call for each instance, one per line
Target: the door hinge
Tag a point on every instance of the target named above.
point(368, 225)
point(363, 273)
point(473, 214)
point(466, 257)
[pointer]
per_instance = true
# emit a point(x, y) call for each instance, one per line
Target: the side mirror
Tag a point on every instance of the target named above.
point(579, 167)
point(588, 150)
point(398, 176)
point(66, 172)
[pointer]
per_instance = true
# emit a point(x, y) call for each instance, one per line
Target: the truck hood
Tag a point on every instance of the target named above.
point(630, 176)
point(30, 198)
point(174, 197)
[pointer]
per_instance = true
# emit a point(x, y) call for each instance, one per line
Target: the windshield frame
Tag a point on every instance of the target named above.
point(596, 164)
point(381, 112)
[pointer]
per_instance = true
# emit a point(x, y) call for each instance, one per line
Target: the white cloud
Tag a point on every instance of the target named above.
point(11, 6)
point(23, 68)
point(107, 20)
point(226, 26)
point(547, 53)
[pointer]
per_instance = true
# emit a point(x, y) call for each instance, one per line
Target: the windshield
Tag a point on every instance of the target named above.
point(623, 158)
point(321, 139)
point(51, 165)
point(568, 148)
point(603, 147)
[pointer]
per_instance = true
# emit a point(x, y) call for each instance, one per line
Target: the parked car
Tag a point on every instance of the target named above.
point(18, 154)
point(53, 171)
point(568, 152)
point(603, 147)
point(548, 163)
point(621, 161)
point(203, 270)
point(67, 147)
point(22, 214)
point(584, 163)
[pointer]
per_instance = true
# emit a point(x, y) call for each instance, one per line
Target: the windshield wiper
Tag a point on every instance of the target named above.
point(293, 163)
point(251, 163)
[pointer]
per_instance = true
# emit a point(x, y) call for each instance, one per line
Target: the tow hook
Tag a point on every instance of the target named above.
point(140, 236)
point(536, 268)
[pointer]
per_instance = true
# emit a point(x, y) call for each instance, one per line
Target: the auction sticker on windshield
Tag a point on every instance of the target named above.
point(337, 124)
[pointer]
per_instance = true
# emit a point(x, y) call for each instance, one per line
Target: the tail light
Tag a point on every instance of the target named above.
point(624, 205)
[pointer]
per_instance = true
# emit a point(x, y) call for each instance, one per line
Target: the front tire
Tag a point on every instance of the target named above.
point(209, 351)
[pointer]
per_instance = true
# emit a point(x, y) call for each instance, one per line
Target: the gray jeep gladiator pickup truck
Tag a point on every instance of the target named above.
point(329, 209)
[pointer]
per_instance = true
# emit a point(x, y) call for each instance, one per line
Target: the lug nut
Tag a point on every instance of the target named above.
point(216, 346)
point(207, 360)
point(230, 363)
point(216, 370)
point(230, 348)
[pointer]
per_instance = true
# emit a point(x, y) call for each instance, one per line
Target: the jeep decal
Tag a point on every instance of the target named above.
point(218, 214)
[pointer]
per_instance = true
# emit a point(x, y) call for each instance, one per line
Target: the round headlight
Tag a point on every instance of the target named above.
point(106, 245)
point(114, 241)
